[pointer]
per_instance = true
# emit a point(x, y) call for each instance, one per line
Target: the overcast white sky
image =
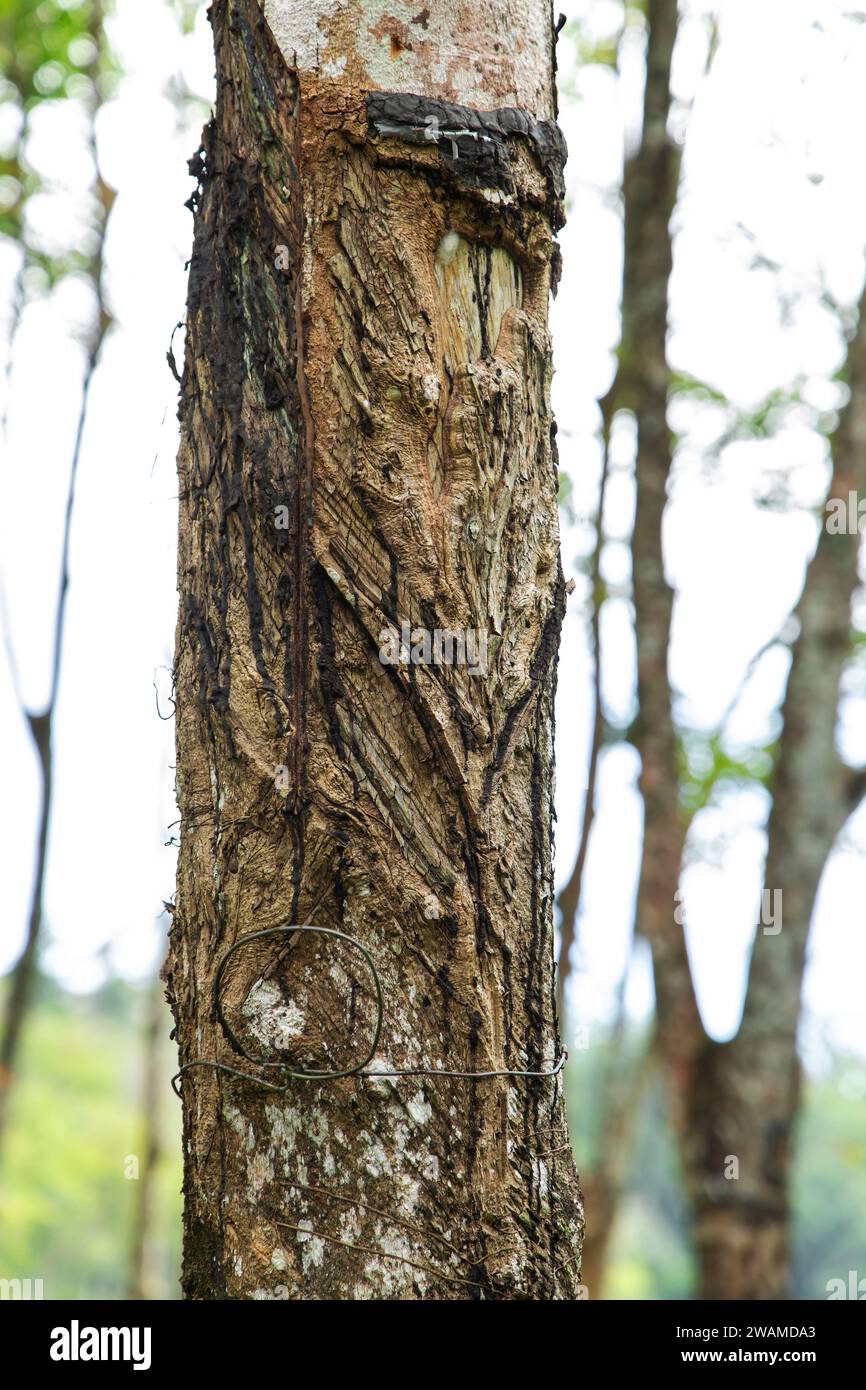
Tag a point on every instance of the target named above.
point(774, 146)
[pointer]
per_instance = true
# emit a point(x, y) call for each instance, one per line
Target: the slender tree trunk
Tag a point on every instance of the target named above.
point(41, 723)
point(24, 973)
point(367, 442)
point(640, 385)
point(142, 1282)
point(651, 182)
point(733, 1105)
point(623, 1081)
point(746, 1094)
point(571, 894)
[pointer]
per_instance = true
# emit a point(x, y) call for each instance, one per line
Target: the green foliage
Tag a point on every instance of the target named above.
point(565, 497)
point(50, 51)
point(781, 408)
point(44, 46)
point(66, 1206)
point(829, 1190)
point(185, 12)
point(705, 765)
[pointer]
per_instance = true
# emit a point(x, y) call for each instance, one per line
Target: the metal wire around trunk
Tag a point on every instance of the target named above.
point(360, 1069)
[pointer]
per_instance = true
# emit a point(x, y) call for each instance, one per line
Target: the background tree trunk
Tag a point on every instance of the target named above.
point(746, 1093)
point(142, 1283)
point(367, 441)
point(640, 386)
point(736, 1100)
point(41, 723)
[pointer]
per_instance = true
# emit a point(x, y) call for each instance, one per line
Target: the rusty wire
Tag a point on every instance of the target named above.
point(360, 1069)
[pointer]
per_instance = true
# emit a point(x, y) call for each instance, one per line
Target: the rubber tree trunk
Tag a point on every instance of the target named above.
point(367, 443)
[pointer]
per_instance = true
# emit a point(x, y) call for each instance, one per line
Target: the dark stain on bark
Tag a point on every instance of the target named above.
point(473, 145)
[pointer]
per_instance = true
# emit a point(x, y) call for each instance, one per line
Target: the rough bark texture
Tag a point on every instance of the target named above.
point(367, 349)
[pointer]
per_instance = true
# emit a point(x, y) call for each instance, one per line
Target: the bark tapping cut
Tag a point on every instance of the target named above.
point(367, 443)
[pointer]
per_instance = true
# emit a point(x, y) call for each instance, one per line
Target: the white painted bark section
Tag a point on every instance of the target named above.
point(300, 27)
point(484, 54)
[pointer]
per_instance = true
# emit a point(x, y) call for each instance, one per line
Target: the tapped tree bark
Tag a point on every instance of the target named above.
point(367, 461)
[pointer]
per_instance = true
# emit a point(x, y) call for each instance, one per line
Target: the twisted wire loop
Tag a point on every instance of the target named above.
point(361, 1069)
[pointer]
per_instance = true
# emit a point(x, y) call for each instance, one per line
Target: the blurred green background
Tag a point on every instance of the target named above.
point(68, 1212)
point(69, 1191)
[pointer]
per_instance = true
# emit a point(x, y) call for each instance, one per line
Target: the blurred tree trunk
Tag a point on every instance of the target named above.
point(623, 1079)
point(570, 895)
point(367, 441)
point(733, 1105)
point(142, 1280)
point(42, 722)
point(23, 973)
point(745, 1094)
point(640, 386)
